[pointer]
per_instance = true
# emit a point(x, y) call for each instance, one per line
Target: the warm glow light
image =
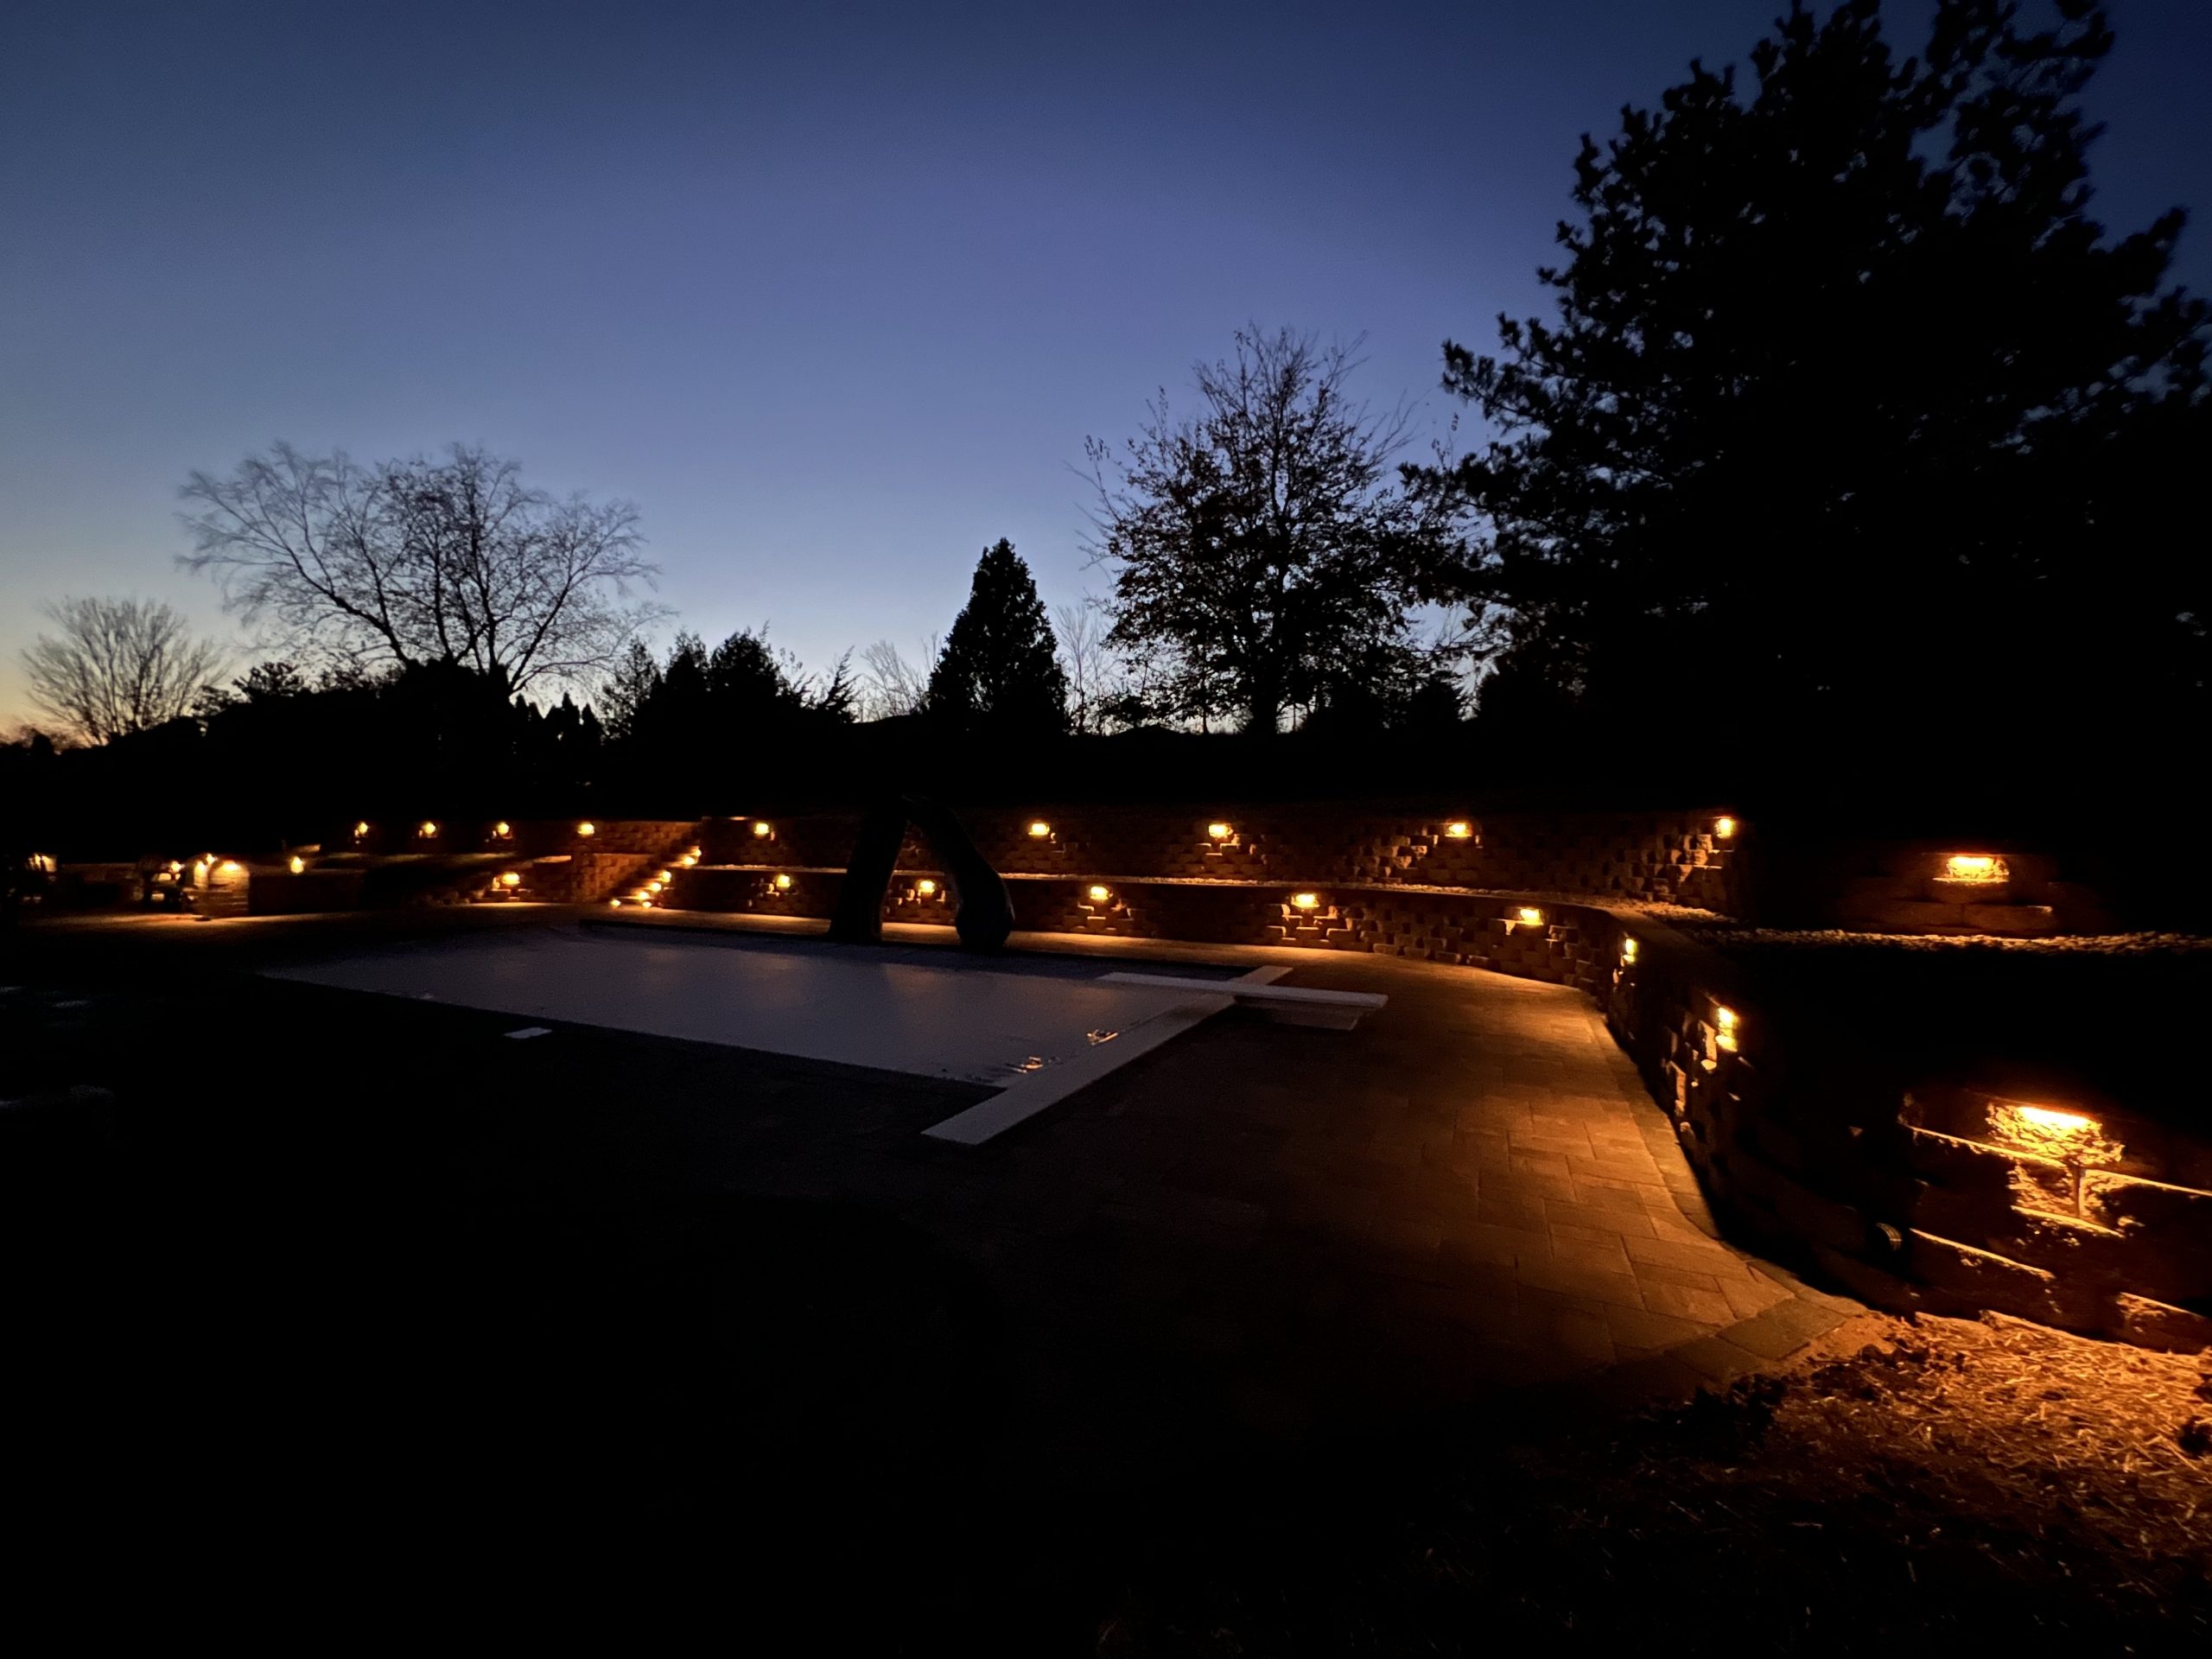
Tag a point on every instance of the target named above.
point(1724, 827)
point(229, 866)
point(1974, 867)
point(925, 887)
point(1628, 949)
point(1219, 831)
point(176, 868)
point(2043, 1117)
point(360, 830)
point(761, 827)
point(692, 852)
point(1725, 1021)
point(587, 828)
point(425, 829)
point(783, 884)
point(1038, 829)
point(1529, 916)
point(1458, 830)
point(512, 879)
point(299, 865)
point(1306, 900)
point(502, 830)
point(656, 884)
point(614, 904)
point(1099, 895)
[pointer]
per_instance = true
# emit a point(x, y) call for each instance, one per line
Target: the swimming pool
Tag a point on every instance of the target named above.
point(1034, 1028)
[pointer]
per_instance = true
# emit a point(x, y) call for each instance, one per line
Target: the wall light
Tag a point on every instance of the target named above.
point(1099, 895)
point(1220, 831)
point(762, 827)
point(1038, 829)
point(230, 867)
point(1628, 949)
point(614, 904)
point(1529, 916)
point(1458, 830)
point(1724, 1020)
point(925, 887)
point(1724, 827)
point(426, 829)
point(360, 830)
point(1974, 867)
point(1305, 900)
point(502, 831)
point(299, 866)
point(512, 879)
point(783, 884)
point(586, 828)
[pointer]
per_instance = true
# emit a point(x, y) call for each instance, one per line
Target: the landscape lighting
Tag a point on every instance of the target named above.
point(1974, 867)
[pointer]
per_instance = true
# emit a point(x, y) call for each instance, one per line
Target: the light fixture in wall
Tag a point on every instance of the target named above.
point(783, 884)
point(614, 904)
point(1099, 895)
point(587, 828)
point(512, 879)
point(1305, 900)
point(360, 830)
point(1038, 829)
point(1458, 830)
point(1220, 831)
point(1529, 916)
point(1628, 949)
point(925, 888)
point(426, 829)
point(762, 829)
point(503, 831)
point(298, 864)
point(1724, 827)
point(1974, 867)
point(1724, 1027)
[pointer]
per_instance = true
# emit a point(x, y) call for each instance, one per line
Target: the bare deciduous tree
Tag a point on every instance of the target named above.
point(1094, 685)
point(118, 666)
point(452, 560)
point(890, 685)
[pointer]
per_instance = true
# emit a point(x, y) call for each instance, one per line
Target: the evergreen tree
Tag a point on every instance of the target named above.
point(1850, 408)
point(998, 671)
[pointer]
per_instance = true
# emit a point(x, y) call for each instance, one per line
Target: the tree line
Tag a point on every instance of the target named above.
point(1853, 439)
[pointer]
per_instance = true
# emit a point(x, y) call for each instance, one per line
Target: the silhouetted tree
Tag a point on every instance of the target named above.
point(1262, 554)
point(629, 686)
point(419, 561)
point(116, 666)
point(998, 671)
point(1849, 408)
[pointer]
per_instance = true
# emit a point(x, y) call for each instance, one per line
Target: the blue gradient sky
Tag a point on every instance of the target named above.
point(834, 294)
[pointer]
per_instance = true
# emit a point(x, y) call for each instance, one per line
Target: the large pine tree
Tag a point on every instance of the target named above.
point(1850, 418)
point(998, 671)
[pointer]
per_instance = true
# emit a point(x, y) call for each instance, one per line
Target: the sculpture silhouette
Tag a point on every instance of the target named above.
point(983, 910)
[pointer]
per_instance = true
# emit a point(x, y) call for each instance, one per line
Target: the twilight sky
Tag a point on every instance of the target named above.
point(833, 293)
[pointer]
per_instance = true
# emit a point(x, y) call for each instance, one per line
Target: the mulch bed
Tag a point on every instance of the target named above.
point(1948, 1481)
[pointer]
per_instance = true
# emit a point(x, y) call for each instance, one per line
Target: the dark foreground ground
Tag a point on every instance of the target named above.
point(329, 1316)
